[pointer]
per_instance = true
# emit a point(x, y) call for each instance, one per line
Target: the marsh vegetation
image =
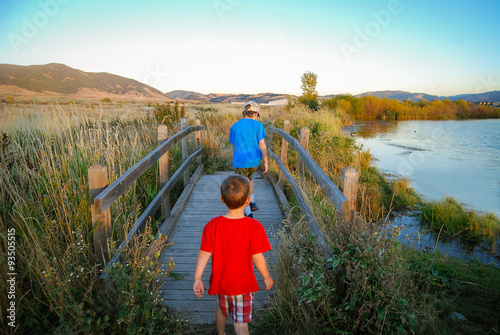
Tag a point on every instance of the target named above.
point(367, 283)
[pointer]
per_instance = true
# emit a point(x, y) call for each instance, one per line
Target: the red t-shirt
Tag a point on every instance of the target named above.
point(232, 243)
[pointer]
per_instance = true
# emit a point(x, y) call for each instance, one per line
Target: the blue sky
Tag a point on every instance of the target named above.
point(253, 46)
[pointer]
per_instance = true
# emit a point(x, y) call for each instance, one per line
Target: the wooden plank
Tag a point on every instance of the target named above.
point(185, 154)
point(98, 181)
point(181, 202)
point(304, 142)
point(163, 169)
point(284, 151)
point(120, 185)
point(349, 186)
point(278, 191)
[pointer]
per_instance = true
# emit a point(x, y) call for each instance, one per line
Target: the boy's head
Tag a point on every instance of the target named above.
point(251, 108)
point(234, 191)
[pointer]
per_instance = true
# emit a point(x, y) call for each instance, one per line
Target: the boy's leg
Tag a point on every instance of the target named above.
point(241, 328)
point(248, 209)
point(248, 172)
point(221, 316)
point(220, 321)
point(242, 312)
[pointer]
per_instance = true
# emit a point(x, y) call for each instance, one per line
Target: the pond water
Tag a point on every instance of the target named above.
point(459, 159)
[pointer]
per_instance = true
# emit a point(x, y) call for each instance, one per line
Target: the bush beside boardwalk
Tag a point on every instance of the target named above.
point(45, 158)
point(420, 277)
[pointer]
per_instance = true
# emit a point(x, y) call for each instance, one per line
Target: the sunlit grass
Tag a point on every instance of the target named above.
point(452, 218)
point(44, 196)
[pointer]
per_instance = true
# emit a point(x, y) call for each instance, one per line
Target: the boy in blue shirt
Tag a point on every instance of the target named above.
point(247, 136)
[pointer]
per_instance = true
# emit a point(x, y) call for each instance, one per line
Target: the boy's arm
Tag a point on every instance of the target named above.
point(261, 265)
point(201, 263)
point(263, 150)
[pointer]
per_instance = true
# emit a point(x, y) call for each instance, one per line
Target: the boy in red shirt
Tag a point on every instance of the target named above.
point(233, 241)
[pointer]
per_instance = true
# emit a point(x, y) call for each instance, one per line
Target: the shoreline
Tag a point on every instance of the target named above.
point(413, 234)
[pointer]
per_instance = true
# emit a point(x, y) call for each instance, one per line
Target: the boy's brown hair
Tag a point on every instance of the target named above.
point(235, 191)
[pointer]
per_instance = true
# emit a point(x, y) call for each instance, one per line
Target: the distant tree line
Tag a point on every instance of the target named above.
point(373, 108)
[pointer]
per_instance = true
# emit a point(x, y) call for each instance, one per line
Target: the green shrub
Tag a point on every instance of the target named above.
point(360, 287)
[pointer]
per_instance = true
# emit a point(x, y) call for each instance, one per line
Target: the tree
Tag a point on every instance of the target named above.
point(309, 95)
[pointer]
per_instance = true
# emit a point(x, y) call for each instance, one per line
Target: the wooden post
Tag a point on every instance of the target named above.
point(284, 152)
point(185, 152)
point(304, 141)
point(198, 138)
point(164, 166)
point(101, 222)
point(349, 187)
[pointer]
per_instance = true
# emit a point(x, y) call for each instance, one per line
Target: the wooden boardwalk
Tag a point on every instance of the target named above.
point(203, 205)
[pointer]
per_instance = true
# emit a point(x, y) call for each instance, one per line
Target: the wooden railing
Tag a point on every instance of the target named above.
point(342, 197)
point(102, 196)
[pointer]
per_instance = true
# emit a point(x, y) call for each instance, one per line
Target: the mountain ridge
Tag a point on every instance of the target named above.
point(492, 96)
point(56, 79)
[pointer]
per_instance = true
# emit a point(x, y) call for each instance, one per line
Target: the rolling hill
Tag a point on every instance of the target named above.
point(226, 98)
point(400, 95)
point(493, 96)
point(61, 81)
point(55, 81)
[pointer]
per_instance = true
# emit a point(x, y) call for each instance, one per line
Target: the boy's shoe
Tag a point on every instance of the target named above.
point(254, 207)
point(250, 215)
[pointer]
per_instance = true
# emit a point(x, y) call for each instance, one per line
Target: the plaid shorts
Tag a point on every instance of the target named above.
point(246, 172)
point(241, 306)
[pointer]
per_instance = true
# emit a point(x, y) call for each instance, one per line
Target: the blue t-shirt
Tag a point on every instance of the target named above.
point(245, 136)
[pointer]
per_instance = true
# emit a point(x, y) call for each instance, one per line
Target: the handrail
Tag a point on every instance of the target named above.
point(102, 195)
point(333, 193)
point(349, 177)
point(313, 226)
point(154, 206)
point(104, 200)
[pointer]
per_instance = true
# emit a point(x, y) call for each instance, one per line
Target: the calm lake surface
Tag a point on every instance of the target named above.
point(460, 159)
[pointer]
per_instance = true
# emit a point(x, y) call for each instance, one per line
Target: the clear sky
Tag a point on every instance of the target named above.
point(253, 46)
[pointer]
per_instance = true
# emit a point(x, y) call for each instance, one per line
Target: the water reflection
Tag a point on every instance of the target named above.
point(368, 129)
point(460, 159)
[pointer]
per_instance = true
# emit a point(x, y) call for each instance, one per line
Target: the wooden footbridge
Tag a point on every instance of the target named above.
point(200, 202)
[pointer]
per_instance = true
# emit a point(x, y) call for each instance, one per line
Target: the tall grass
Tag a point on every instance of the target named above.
point(44, 196)
point(452, 218)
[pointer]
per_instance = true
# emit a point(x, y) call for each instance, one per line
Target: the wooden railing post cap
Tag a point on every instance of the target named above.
point(97, 167)
point(349, 170)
